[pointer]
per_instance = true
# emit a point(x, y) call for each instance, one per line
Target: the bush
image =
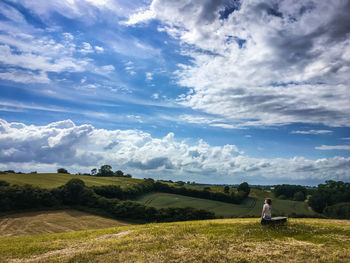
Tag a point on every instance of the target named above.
point(340, 210)
point(299, 196)
point(62, 171)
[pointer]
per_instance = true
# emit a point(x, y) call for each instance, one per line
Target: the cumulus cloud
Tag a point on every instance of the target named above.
point(80, 148)
point(258, 63)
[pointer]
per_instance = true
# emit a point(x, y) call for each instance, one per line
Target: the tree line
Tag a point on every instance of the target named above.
point(76, 194)
point(149, 185)
point(290, 192)
point(332, 199)
point(105, 171)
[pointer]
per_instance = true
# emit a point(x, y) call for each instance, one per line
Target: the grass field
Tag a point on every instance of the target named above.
point(251, 207)
point(52, 180)
point(42, 222)
point(222, 240)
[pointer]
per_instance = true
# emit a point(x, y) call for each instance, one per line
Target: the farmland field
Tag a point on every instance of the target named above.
point(52, 180)
point(41, 222)
point(250, 207)
point(221, 240)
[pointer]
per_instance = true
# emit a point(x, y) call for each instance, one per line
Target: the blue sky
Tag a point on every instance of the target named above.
point(206, 91)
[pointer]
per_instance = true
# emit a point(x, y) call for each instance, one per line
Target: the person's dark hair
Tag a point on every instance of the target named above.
point(269, 201)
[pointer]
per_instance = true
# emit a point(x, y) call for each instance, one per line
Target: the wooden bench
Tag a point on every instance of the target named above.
point(279, 220)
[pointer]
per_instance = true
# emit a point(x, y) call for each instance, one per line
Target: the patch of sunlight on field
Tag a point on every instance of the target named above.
point(250, 207)
point(223, 240)
point(52, 180)
point(41, 222)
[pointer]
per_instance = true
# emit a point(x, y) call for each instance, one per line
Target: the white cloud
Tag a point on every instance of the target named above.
point(25, 76)
point(155, 96)
point(80, 148)
point(87, 48)
point(313, 132)
point(262, 63)
point(333, 147)
point(11, 13)
point(149, 76)
point(99, 49)
point(139, 17)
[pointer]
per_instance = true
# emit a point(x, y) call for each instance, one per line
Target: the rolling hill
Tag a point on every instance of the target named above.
point(221, 240)
point(56, 221)
point(52, 180)
point(250, 207)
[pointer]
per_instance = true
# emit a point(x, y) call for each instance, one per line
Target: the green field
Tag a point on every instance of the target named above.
point(41, 222)
point(251, 207)
point(52, 180)
point(221, 240)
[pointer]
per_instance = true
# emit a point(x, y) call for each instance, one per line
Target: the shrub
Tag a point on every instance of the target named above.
point(340, 210)
point(62, 171)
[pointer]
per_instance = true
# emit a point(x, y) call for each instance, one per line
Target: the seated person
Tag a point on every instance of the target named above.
point(266, 212)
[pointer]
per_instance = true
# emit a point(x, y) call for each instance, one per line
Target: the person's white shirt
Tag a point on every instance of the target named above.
point(267, 210)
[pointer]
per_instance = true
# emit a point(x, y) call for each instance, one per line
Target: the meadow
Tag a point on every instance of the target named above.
point(250, 207)
point(220, 240)
point(53, 180)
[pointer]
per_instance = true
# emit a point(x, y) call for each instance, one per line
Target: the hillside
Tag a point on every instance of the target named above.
point(223, 240)
point(52, 180)
point(42, 222)
point(250, 207)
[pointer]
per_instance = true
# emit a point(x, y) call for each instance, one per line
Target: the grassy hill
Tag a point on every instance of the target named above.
point(42, 222)
point(251, 207)
point(52, 180)
point(223, 240)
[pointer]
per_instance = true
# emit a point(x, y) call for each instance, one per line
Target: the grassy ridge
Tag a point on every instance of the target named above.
point(53, 180)
point(42, 222)
point(225, 240)
point(249, 207)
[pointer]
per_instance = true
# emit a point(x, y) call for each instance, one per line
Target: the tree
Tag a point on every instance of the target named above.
point(180, 183)
point(62, 171)
point(94, 172)
point(244, 187)
point(105, 170)
point(226, 189)
point(299, 196)
point(119, 173)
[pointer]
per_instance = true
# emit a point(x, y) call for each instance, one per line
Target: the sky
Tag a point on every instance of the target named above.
point(210, 91)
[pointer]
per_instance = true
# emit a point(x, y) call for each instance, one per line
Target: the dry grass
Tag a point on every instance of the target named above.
point(42, 222)
point(228, 240)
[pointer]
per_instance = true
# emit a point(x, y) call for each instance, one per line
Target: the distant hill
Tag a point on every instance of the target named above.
point(250, 207)
point(52, 180)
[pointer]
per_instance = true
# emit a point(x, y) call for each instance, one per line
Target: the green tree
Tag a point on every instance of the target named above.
point(244, 187)
point(299, 196)
point(226, 189)
point(119, 173)
point(62, 171)
point(105, 170)
point(94, 171)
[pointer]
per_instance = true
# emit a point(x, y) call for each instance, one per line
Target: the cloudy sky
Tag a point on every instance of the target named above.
point(193, 90)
